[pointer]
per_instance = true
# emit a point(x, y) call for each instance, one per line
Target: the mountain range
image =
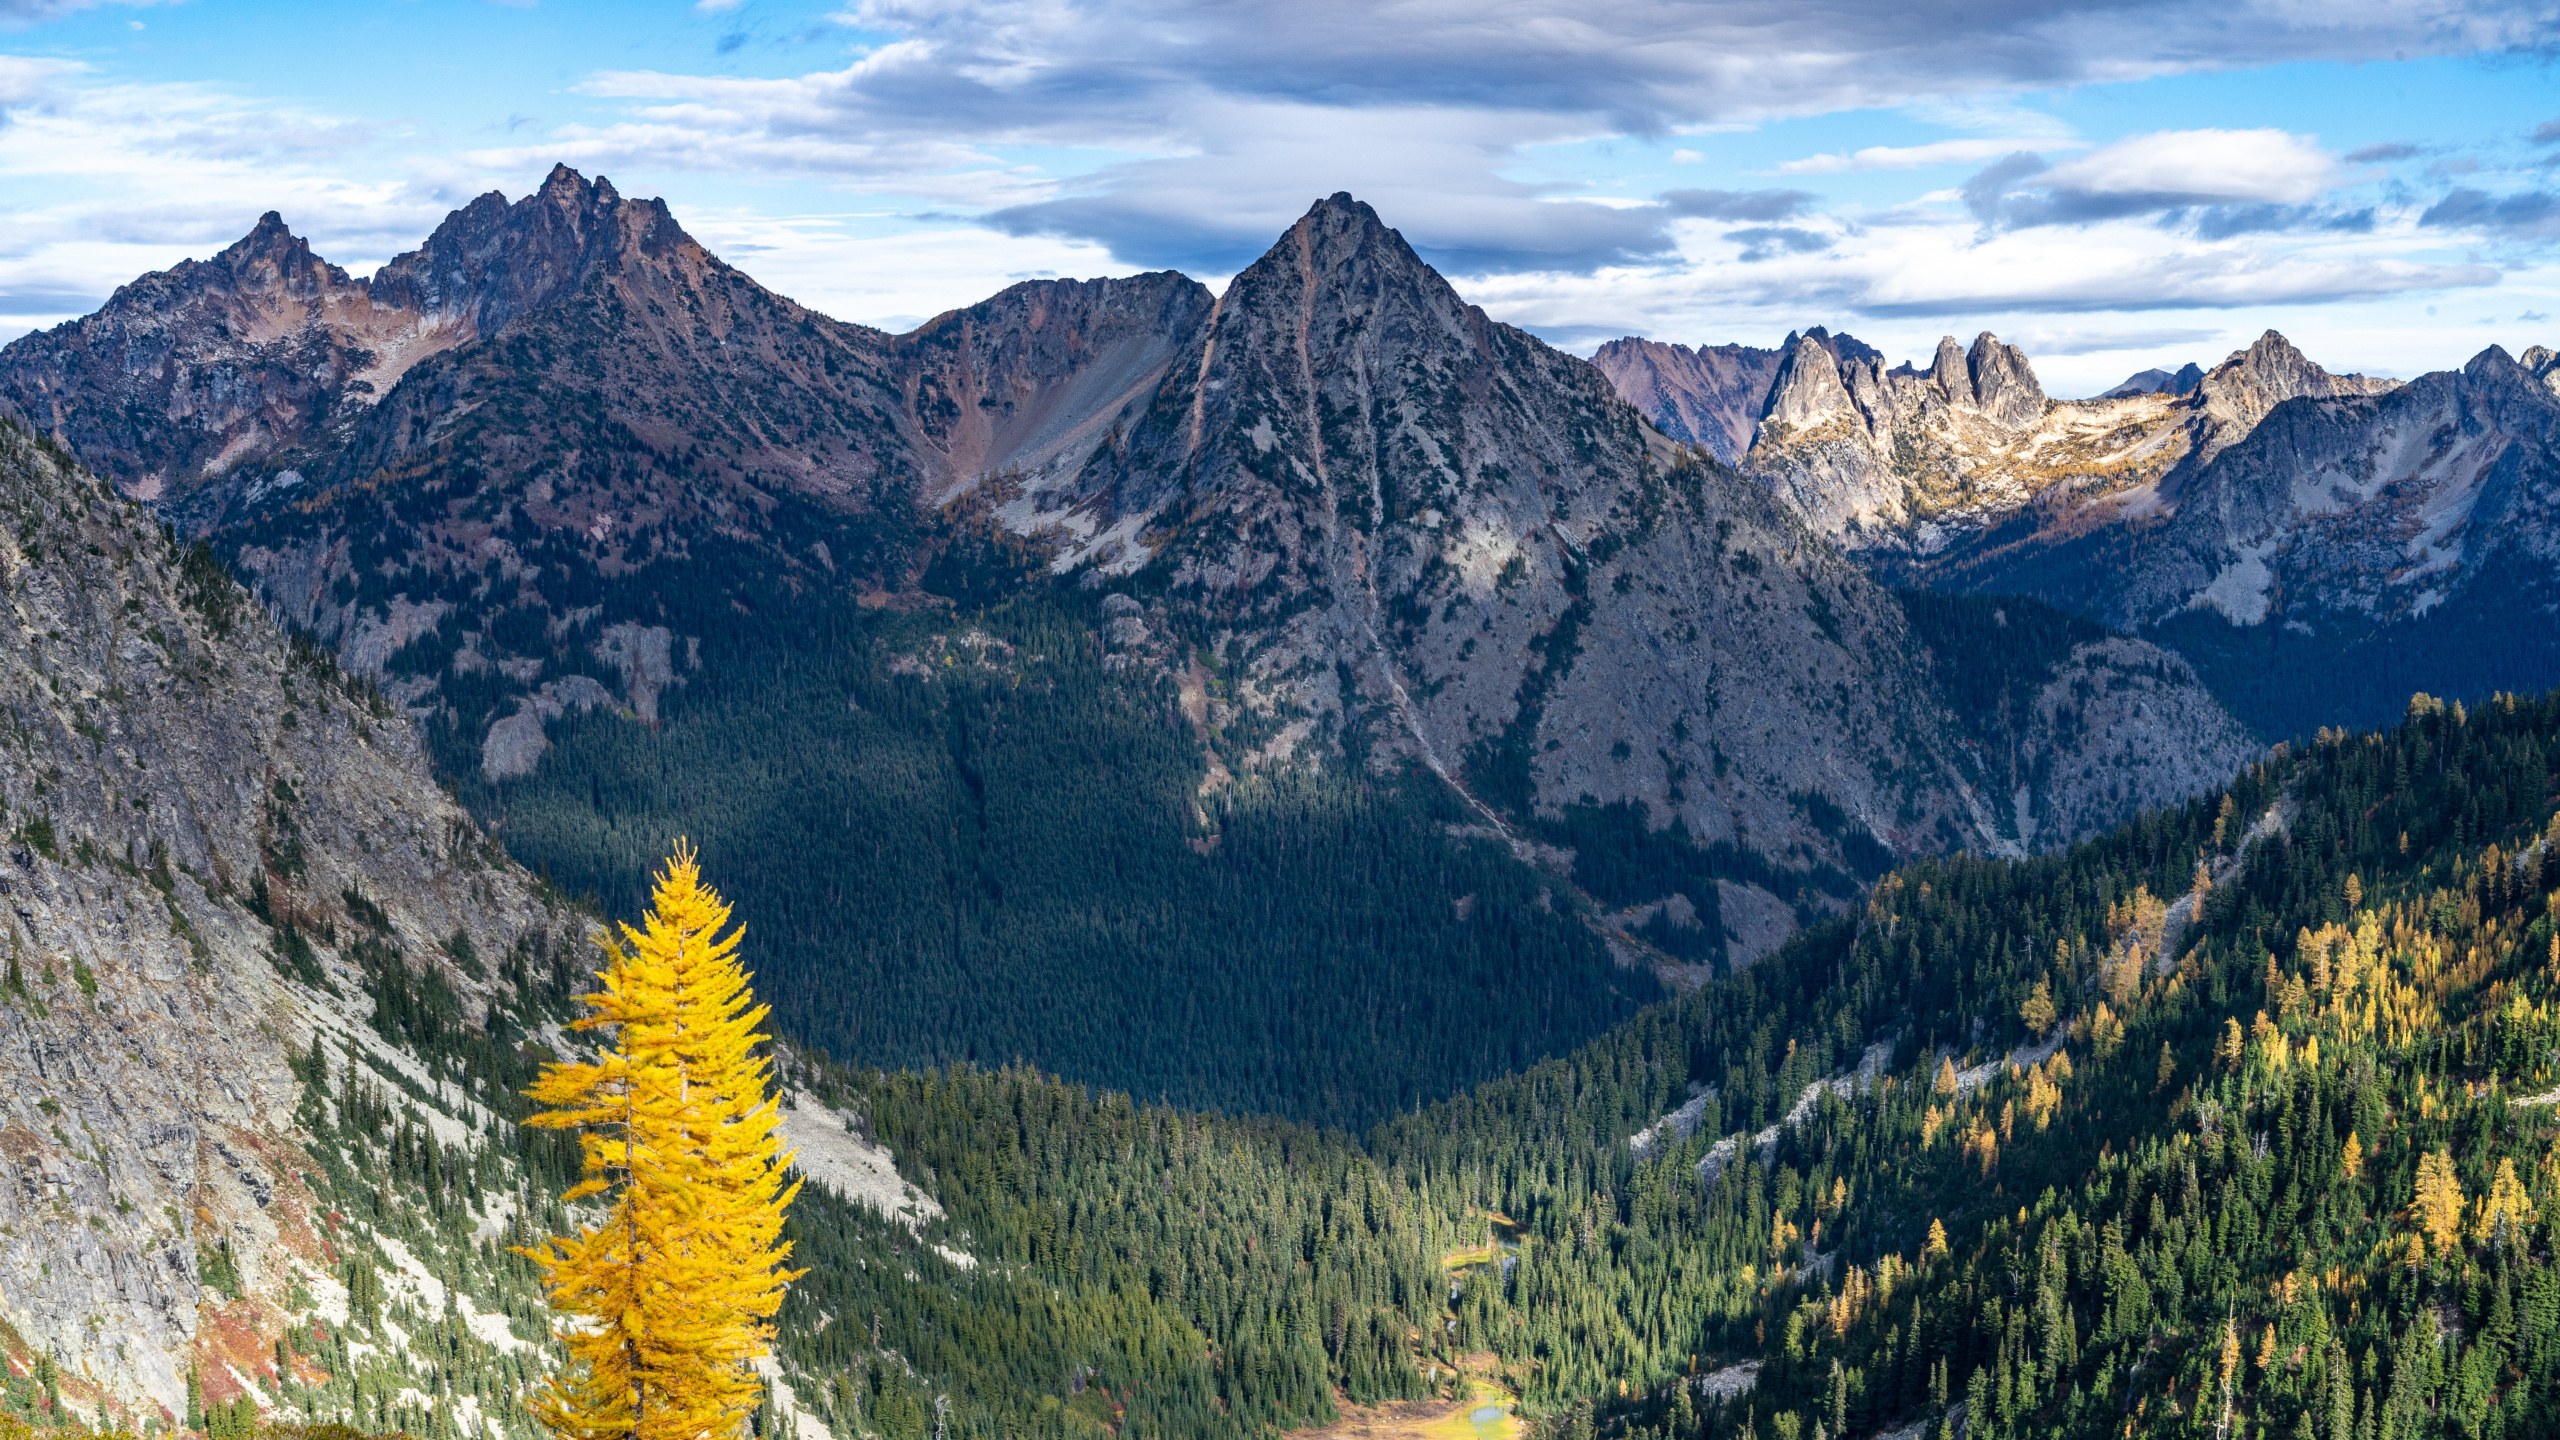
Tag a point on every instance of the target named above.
point(1559, 848)
point(2319, 545)
point(1353, 513)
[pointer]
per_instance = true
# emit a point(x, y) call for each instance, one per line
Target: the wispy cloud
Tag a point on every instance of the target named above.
point(2223, 182)
point(2526, 215)
point(1913, 157)
point(1738, 204)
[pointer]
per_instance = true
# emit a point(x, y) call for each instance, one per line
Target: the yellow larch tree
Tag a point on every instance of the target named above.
point(667, 1302)
point(2438, 1205)
point(2506, 1212)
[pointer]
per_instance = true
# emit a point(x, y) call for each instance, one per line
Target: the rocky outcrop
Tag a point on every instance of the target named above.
point(2003, 384)
point(190, 804)
point(1910, 464)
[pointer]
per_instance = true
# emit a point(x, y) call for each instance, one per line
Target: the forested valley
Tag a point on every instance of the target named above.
point(2279, 1162)
point(2239, 1117)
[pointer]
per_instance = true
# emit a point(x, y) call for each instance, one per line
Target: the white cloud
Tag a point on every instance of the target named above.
point(1917, 157)
point(2265, 166)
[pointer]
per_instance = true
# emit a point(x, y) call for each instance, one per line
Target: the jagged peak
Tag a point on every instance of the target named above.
point(2495, 363)
point(1949, 370)
point(2271, 355)
point(2004, 383)
point(1808, 386)
point(2269, 372)
point(269, 238)
point(1338, 218)
point(494, 259)
point(1341, 247)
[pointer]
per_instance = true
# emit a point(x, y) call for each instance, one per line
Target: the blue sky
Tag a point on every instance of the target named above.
point(2113, 187)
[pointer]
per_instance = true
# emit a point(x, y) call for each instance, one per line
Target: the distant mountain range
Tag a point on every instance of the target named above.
point(2322, 545)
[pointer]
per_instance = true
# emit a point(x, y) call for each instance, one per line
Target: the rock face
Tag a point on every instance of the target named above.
point(1911, 461)
point(172, 768)
point(1434, 537)
point(1711, 397)
point(2378, 508)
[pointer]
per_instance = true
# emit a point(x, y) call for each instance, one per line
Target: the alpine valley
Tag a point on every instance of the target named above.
point(1323, 866)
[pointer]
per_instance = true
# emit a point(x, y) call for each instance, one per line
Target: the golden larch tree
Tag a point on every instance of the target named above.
point(2439, 1203)
point(667, 1302)
point(2506, 1212)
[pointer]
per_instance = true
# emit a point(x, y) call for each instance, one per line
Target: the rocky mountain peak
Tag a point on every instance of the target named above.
point(272, 256)
point(1845, 348)
point(1341, 253)
point(1809, 388)
point(2236, 394)
point(1953, 377)
point(2004, 385)
point(2275, 363)
point(491, 260)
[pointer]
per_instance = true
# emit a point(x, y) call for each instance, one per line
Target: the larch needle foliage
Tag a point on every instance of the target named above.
point(669, 1299)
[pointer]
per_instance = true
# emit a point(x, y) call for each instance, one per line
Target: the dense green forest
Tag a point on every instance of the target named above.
point(2283, 1163)
point(967, 842)
point(956, 837)
point(2060, 1246)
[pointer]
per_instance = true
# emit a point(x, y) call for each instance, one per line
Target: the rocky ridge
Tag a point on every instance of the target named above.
point(1431, 536)
point(2322, 544)
point(1913, 461)
point(2376, 508)
point(1407, 514)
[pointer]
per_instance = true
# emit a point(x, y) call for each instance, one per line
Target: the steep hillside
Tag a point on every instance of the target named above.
point(1401, 522)
point(1711, 397)
point(2264, 1143)
point(218, 845)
